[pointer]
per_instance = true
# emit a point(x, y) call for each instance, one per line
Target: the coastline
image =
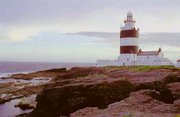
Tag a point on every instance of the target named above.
point(144, 82)
point(12, 86)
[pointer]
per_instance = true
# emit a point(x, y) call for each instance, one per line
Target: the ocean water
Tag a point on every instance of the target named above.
point(23, 67)
point(8, 110)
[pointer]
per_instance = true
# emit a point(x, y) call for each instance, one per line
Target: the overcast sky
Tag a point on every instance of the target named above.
point(37, 27)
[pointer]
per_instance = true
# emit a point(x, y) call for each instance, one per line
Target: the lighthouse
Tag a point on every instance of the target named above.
point(129, 41)
point(130, 54)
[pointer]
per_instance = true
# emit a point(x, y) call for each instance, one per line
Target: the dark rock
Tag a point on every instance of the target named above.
point(24, 106)
point(22, 115)
point(5, 97)
point(80, 72)
point(46, 73)
point(80, 88)
point(177, 103)
point(67, 99)
point(27, 103)
point(58, 70)
point(138, 104)
point(166, 95)
point(175, 89)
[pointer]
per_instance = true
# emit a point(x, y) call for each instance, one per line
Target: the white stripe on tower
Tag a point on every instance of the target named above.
point(129, 41)
point(129, 36)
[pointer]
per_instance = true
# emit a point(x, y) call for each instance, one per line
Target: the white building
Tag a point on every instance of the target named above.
point(129, 49)
point(152, 58)
point(178, 63)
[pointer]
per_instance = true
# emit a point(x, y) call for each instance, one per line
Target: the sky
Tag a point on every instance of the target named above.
point(84, 30)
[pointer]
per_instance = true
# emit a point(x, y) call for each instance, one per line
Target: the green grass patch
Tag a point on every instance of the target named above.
point(130, 115)
point(149, 68)
point(139, 68)
point(177, 115)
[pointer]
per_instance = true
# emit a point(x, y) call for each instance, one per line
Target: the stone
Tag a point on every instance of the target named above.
point(27, 103)
point(63, 100)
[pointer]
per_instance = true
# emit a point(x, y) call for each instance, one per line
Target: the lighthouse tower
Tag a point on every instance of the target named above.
point(130, 54)
point(128, 41)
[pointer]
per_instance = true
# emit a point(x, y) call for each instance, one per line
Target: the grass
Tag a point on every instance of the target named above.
point(139, 68)
point(149, 68)
point(177, 115)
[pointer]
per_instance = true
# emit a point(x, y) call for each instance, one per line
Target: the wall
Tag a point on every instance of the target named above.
point(178, 64)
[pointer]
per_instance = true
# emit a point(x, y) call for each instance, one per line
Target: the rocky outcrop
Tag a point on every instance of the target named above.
point(138, 104)
point(27, 103)
point(20, 85)
point(5, 97)
point(24, 106)
point(77, 72)
point(151, 93)
point(46, 73)
point(64, 100)
point(175, 89)
point(22, 115)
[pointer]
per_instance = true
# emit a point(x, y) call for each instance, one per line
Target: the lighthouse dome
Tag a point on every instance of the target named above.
point(130, 14)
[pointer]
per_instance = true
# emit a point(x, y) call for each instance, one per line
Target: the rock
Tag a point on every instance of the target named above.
point(28, 90)
point(21, 76)
point(88, 112)
point(63, 100)
point(137, 104)
point(5, 97)
point(46, 73)
point(22, 115)
point(4, 85)
point(53, 70)
point(10, 91)
point(175, 89)
point(24, 106)
point(95, 88)
point(166, 95)
point(18, 88)
point(177, 102)
point(27, 103)
point(80, 72)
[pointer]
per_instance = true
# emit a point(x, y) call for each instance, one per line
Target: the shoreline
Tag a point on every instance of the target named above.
point(12, 89)
point(138, 77)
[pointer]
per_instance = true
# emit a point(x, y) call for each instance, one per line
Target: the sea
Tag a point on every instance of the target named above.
point(26, 67)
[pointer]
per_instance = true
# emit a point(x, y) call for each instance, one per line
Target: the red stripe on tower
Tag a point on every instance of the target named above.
point(129, 36)
point(129, 33)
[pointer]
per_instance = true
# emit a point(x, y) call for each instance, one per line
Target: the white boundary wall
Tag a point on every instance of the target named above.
point(134, 60)
point(178, 64)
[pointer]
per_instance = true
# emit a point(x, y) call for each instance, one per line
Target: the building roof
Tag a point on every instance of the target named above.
point(148, 53)
point(178, 60)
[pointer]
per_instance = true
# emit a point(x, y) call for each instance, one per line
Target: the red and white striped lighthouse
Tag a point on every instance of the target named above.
point(130, 55)
point(129, 41)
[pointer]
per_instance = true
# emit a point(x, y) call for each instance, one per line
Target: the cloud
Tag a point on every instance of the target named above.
point(148, 39)
point(22, 19)
point(21, 33)
point(111, 38)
